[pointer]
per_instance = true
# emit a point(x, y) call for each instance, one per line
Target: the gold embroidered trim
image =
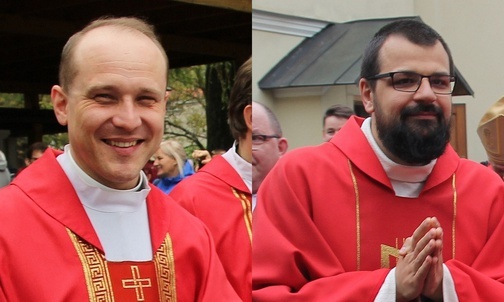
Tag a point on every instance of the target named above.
point(247, 211)
point(165, 270)
point(357, 215)
point(454, 214)
point(95, 270)
point(97, 275)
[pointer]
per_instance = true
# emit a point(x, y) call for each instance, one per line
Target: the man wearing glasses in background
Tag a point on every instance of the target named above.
point(393, 213)
point(268, 145)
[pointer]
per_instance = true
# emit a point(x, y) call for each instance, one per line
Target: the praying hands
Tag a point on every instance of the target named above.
point(419, 270)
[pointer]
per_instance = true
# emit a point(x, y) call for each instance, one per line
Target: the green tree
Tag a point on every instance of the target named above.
point(185, 115)
point(197, 108)
point(11, 100)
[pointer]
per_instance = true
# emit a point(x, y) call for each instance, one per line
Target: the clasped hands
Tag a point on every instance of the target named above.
point(419, 270)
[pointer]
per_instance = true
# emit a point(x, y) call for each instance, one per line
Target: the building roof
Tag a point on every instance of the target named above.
point(333, 57)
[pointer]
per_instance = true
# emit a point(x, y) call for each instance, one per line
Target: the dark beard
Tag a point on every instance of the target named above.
point(416, 142)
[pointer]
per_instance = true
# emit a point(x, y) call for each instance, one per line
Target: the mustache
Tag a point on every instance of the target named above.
point(421, 108)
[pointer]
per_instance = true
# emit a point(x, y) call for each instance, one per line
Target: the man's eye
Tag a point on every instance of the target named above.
point(102, 98)
point(439, 82)
point(405, 81)
point(147, 100)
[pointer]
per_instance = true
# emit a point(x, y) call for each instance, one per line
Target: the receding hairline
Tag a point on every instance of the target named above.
point(119, 28)
point(274, 123)
point(68, 70)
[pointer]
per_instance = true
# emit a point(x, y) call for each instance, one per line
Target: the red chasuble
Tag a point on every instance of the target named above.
point(218, 196)
point(49, 250)
point(328, 225)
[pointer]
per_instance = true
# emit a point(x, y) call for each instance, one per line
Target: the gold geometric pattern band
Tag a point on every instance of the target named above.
point(97, 276)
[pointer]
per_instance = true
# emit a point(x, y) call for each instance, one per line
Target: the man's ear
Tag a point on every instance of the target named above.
point(166, 99)
point(247, 116)
point(283, 145)
point(367, 95)
point(60, 104)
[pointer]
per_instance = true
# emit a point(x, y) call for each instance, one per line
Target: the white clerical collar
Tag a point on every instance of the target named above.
point(407, 180)
point(98, 197)
point(241, 166)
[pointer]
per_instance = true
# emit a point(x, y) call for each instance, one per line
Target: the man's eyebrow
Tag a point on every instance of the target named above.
point(113, 88)
point(99, 87)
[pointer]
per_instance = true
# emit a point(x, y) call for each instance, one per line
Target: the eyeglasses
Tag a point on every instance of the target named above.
point(259, 139)
point(411, 81)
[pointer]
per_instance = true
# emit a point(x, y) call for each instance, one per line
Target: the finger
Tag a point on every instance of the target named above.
point(435, 222)
point(406, 248)
point(434, 280)
point(438, 249)
point(424, 268)
point(422, 243)
point(420, 232)
point(425, 253)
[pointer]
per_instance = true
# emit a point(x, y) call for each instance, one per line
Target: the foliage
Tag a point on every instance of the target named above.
point(11, 100)
point(197, 109)
point(45, 101)
point(185, 114)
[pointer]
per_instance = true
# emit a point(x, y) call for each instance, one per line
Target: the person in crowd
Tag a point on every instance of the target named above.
point(220, 193)
point(334, 118)
point(5, 177)
point(150, 170)
point(387, 210)
point(203, 157)
point(98, 230)
point(33, 153)
point(172, 165)
point(491, 136)
point(268, 145)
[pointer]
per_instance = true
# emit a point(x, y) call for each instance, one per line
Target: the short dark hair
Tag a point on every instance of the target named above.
point(37, 146)
point(415, 31)
point(338, 111)
point(240, 97)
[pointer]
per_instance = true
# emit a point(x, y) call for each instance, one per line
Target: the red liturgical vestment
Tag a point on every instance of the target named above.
point(49, 250)
point(328, 225)
point(217, 195)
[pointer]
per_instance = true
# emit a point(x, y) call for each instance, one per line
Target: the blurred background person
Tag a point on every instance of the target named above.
point(220, 193)
point(334, 118)
point(172, 165)
point(5, 177)
point(150, 170)
point(203, 157)
point(33, 153)
point(491, 133)
point(268, 145)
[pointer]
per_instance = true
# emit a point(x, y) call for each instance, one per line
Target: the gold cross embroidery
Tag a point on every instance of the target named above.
point(137, 283)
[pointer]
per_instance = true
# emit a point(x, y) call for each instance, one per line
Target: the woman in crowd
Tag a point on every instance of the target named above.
point(172, 165)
